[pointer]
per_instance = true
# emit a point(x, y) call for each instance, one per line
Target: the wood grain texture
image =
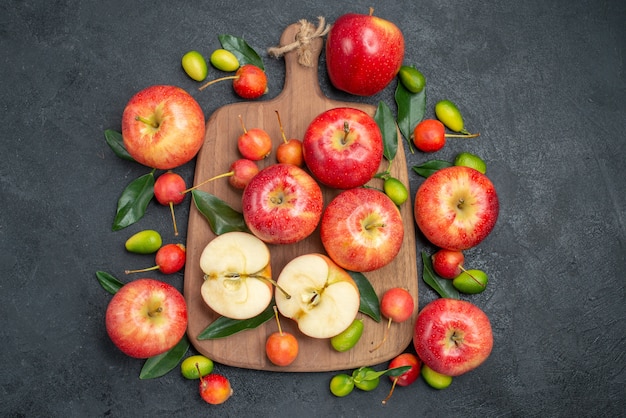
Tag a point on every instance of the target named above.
point(299, 102)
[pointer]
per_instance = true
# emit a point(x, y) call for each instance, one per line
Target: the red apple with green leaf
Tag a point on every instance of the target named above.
point(343, 147)
point(163, 127)
point(452, 336)
point(363, 53)
point(146, 317)
point(456, 207)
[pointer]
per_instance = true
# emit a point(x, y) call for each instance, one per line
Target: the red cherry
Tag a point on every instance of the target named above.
point(215, 388)
point(429, 135)
point(168, 191)
point(169, 259)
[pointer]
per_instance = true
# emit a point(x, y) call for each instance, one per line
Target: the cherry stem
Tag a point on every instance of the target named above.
point(469, 274)
point(173, 218)
point(141, 270)
point(462, 135)
point(230, 173)
point(154, 124)
point(242, 125)
point(229, 77)
point(282, 132)
point(280, 330)
point(393, 386)
point(384, 337)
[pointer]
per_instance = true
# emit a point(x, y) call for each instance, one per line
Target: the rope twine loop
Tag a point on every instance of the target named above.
point(305, 35)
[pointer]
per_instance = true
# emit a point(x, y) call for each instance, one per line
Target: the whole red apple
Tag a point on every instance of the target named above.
point(282, 204)
point(363, 53)
point(163, 127)
point(456, 207)
point(452, 336)
point(146, 317)
point(343, 147)
point(361, 229)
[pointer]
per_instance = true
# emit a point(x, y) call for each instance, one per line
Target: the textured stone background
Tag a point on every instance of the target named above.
point(544, 82)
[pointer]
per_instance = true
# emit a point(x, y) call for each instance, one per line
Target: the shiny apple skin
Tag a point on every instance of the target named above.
point(456, 208)
point(452, 336)
point(180, 131)
point(340, 163)
point(363, 53)
point(282, 204)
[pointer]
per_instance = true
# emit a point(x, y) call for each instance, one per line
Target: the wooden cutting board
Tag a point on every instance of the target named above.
point(299, 102)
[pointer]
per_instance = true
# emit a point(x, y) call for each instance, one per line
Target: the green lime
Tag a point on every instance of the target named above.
point(366, 378)
point(194, 65)
point(224, 60)
point(470, 281)
point(341, 385)
point(396, 191)
point(189, 367)
point(470, 160)
point(412, 79)
point(349, 337)
point(147, 241)
point(435, 379)
point(449, 115)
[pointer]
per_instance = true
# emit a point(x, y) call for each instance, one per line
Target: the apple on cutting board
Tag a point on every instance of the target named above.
point(343, 147)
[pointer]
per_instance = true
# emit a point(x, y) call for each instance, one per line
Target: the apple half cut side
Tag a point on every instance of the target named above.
point(324, 299)
point(237, 275)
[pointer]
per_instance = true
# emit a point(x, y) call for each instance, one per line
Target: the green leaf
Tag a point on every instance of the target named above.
point(442, 286)
point(370, 304)
point(134, 200)
point(108, 282)
point(240, 48)
point(224, 327)
point(116, 142)
point(397, 371)
point(411, 110)
point(222, 218)
point(387, 125)
point(429, 167)
point(160, 365)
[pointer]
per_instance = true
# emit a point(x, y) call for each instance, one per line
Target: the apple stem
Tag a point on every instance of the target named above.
point(230, 173)
point(393, 386)
point(374, 225)
point(155, 311)
point(282, 132)
point(141, 270)
point(199, 372)
point(149, 122)
point(371, 11)
point(346, 132)
point(462, 135)
point(229, 77)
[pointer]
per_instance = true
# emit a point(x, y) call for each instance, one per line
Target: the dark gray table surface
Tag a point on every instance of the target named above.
point(544, 82)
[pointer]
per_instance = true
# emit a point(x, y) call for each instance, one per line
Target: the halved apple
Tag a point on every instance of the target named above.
point(237, 275)
point(324, 299)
